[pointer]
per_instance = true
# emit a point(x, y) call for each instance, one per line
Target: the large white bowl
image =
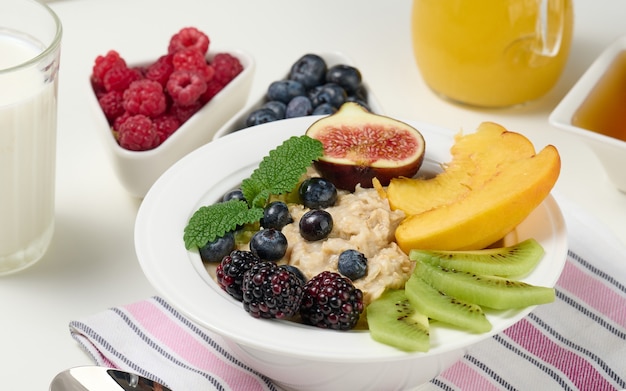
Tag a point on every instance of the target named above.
point(610, 151)
point(137, 170)
point(296, 356)
point(238, 121)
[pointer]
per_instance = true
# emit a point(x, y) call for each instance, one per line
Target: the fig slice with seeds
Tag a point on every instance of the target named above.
point(360, 146)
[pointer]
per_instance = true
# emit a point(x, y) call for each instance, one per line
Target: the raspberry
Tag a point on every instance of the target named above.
point(165, 125)
point(212, 88)
point(117, 122)
point(104, 64)
point(331, 301)
point(189, 37)
point(145, 97)
point(161, 69)
point(192, 60)
point(271, 291)
point(111, 104)
point(185, 87)
point(226, 67)
point(183, 113)
point(119, 78)
point(137, 133)
point(230, 271)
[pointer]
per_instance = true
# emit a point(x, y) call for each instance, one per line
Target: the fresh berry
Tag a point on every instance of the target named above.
point(330, 93)
point(271, 291)
point(104, 64)
point(183, 113)
point(112, 105)
point(185, 87)
point(119, 78)
point(317, 193)
point(194, 61)
point(324, 109)
point(230, 271)
point(276, 215)
point(145, 97)
point(300, 106)
point(137, 133)
point(296, 271)
point(165, 126)
point(227, 67)
point(216, 250)
point(310, 70)
point(346, 76)
point(352, 264)
point(277, 107)
point(269, 244)
point(316, 224)
point(234, 194)
point(261, 116)
point(189, 37)
point(285, 90)
point(160, 70)
point(331, 301)
point(212, 88)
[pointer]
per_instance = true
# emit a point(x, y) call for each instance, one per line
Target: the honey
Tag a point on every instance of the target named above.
point(604, 110)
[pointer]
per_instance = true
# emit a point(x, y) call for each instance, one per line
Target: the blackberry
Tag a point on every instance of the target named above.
point(331, 301)
point(271, 291)
point(231, 270)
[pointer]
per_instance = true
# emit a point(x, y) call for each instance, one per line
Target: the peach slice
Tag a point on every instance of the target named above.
point(475, 159)
point(486, 213)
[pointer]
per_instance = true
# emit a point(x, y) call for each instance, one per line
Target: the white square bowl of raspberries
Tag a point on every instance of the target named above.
point(156, 111)
point(314, 84)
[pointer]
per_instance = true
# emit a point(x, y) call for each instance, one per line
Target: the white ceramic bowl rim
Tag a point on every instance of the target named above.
point(181, 279)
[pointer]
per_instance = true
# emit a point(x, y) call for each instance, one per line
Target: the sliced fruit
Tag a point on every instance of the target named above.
point(486, 214)
point(488, 291)
point(476, 158)
point(392, 320)
point(516, 260)
point(437, 305)
point(360, 146)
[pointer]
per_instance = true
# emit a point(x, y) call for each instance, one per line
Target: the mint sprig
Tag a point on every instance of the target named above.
point(279, 172)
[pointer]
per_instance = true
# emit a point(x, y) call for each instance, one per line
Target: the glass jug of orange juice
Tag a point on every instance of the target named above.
point(491, 53)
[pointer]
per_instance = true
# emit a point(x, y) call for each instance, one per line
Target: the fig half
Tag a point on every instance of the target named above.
point(360, 146)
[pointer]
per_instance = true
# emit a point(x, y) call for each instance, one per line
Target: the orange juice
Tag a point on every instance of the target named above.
point(491, 53)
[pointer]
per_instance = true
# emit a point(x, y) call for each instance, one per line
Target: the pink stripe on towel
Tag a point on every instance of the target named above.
point(179, 341)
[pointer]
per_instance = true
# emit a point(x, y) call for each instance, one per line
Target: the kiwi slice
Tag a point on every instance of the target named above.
point(437, 305)
point(516, 260)
point(392, 320)
point(488, 291)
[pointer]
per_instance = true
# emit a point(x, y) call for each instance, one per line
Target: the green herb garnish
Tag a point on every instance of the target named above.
point(279, 172)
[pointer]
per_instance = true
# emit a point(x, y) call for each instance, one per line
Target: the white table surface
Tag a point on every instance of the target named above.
point(91, 264)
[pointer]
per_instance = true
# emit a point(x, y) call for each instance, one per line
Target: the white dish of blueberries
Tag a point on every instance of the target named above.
point(315, 84)
point(286, 351)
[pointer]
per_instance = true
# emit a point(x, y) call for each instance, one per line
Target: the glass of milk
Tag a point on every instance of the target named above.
point(30, 40)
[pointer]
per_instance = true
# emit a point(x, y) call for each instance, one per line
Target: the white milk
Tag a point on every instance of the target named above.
point(27, 157)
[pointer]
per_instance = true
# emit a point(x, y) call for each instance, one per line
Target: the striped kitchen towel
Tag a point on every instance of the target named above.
point(576, 343)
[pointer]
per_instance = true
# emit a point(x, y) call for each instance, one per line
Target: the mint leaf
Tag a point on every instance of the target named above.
point(281, 169)
point(278, 173)
point(213, 221)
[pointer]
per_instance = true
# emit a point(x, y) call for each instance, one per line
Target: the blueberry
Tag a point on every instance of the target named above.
point(346, 76)
point(235, 194)
point(268, 244)
point(315, 224)
point(261, 116)
point(330, 93)
point(217, 249)
point(296, 271)
point(299, 106)
point(276, 215)
point(324, 109)
point(285, 90)
point(352, 264)
point(310, 70)
point(317, 193)
point(277, 107)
